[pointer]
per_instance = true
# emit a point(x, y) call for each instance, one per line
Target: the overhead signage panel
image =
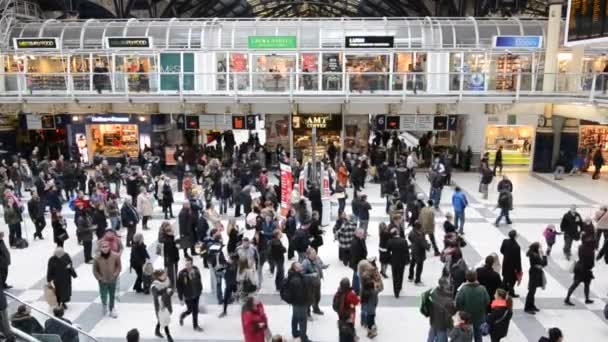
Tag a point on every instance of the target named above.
point(36, 43)
point(370, 42)
point(318, 121)
point(586, 22)
point(272, 42)
point(517, 42)
point(129, 42)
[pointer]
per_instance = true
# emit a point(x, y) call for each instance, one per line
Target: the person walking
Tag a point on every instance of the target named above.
point(384, 255)
point(441, 311)
point(536, 276)
point(139, 257)
point(145, 206)
point(254, 321)
point(399, 257)
point(344, 303)
point(187, 229)
point(169, 251)
point(345, 235)
point(501, 312)
point(601, 223)
point(598, 161)
point(36, 212)
point(231, 283)
point(459, 203)
point(486, 178)
point(498, 160)
point(358, 252)
point(505, 203)
point(12, 217)
point(427, 222)
point(59, 226)
point(488, 277)
point(161, 294)
point(84, 231)
point(130, 218)
point(313, 271)
point(583, 271)
point(106, 269)
point(473, 299)
point(363, 209)
point(511, 263)
point(166, 197)
point(189, 289)
point(277, 258)
point(505, 184)
point(371, 286)
point(299, 297)
point(570, 226)
point(59, 274)
point(419, 247)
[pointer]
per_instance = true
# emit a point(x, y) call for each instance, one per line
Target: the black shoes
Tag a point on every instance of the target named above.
point(568, 302)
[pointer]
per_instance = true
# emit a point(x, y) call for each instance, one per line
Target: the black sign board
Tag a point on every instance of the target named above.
point(35, 43)
point(47, 122)
point(318, 121)
point(586, 20)
point(238, 122)
point(380, 122)
point(129, 42)
point(393, 122)
point(192, 122)
point(180, 121)
point(440, 123)
point(452, 122)
point(370, 42)
point(251, 122)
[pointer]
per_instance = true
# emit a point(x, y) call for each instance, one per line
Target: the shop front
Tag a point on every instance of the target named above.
point(591, 137)
point(47, 132)
point(110, 136)
point(515, 140)
point(314, 133)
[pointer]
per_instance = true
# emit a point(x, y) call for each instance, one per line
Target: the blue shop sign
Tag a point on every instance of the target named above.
point(109, 119)
point(518, 42)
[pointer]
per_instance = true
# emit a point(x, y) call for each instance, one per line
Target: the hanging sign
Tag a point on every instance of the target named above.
point(318, 121)
point(452, 122)
point(128, 42)
point(374, 42)
point(272, 42)
point(393, 122)
point(440, 123)
point(424, 122)
point(408, 122)
point(192, 122)
point(35, 43)
point(517, 42)
point(286, 187)
point(238, 122)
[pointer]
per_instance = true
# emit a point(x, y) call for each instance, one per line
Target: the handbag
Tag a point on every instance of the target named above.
point(63, 236)
point(50, 296)
point(164, 317)
point(485, 329)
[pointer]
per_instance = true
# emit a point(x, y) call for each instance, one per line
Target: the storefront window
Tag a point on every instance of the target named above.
point(507, 66)
point(473, 68)
point(367, 72)
point(174, 66)
point(222, 71)
point(113, 140)
point(46, 73)
point(593, 137)
point(272, 72)
point(80, 68)
point(309, 67)
point(332, 71)
point(239, 71)
point(101, 74)
point(137, 72)
point(409, 69)
point(13, 65)
point(516, 142)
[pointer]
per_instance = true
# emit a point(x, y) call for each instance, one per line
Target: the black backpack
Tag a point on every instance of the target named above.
point(285, 292)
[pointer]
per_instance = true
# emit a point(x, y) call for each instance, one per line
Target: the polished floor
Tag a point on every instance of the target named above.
point(538, 200)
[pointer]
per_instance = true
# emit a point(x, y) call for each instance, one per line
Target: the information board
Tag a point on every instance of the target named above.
point(586, 22)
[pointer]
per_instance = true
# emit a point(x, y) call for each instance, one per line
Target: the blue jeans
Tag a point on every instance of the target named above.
point(504, 212)
point(115, 222)
point(299, 320)
point(355, 283)
point(477, 336)
point(279, 275)
point(219, 276)
point(459, 220)
point(437, 335)
point(435, 195)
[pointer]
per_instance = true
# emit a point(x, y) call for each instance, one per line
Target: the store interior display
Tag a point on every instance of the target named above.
point(272, 72)
point(138, 69)
point(594, 136)
point(80, 68)
point(516, 142)
point(409, 63)
point(113, 140)
point(12, 64)
point(508, 66)
point(47, 73)
point(309, 67)
point(239, 68)
point(332, 67)
point(367, 72)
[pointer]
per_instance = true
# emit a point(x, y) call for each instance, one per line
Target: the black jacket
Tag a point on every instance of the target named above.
point(55, 328)
point(277, 251)
point(26, 323)
point(487, 277)
point(571, 223)
point(128, 213)
point(511, 263)
point(139, 254)
point(536, 272)
point(419, 245)
point(358, 252)
point(35, 209)
point(189, 284)
point(5, 256)
point(364, 208)
point(499, 319)
point(399, 251)
point(298, 288)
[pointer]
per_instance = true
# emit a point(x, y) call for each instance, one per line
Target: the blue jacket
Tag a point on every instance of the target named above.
point(459, 201)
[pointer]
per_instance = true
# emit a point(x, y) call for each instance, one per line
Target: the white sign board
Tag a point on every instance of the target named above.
point(424, 122)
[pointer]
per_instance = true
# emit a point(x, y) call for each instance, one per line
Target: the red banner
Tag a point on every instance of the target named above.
point(286, 187)
point(326, 194)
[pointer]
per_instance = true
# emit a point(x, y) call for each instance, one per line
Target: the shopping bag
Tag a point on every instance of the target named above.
point(50, 296)
point(202, 305)
point(164, 317)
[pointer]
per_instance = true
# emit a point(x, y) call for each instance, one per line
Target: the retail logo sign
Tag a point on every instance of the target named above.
point(272, 42)
point(518, 42)
point(318, 121)
point(109, 119)
point(35, 43)
point(373, 42)
point(129, 42)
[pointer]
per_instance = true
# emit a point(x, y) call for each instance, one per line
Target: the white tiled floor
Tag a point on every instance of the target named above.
point(536, 198)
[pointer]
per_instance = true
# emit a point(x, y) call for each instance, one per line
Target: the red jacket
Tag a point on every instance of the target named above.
point(254, 324)
point(350, 302)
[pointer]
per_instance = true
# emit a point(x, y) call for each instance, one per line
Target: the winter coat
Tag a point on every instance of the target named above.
point(189, 284)
point(128, 214)
point(399, 251)
point(358, 252)
point(254, 324)
point(170, 251)
point(26, 323)
point(442, 309)
point(346, 234)
point(583, 269)
point(499, 318)
point(385, 256)
point(487, 277)
point(571, 223)
point(67, 334)
point(419, 245)
point(473, 298)
point(107, 269)
point(84, 228)
point(60, 272)
point(536, 272)
point(187, 226)
point(145, 205)
point(427, 220)
point(511, 262)
point(59, 228)
point(463, 333)
point(139, 255)
point(161, 295)
point(298, 291)
point(11, 215)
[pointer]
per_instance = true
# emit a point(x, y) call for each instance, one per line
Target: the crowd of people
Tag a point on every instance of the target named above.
point(107, 199)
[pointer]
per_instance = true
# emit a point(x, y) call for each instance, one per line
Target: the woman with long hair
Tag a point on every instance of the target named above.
point(59, 225)
point(254, 320)
point(166, 238)
point(246, 278)
point(161, 294)
point(139, 257)
point(234, 235)
point(346, 301)
point(538, 260)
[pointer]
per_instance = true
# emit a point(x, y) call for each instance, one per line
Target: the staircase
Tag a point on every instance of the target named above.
point(13, 10)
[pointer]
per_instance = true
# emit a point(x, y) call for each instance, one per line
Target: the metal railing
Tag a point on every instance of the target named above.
point(40, 311)
point(21, 336)
point(132, 84)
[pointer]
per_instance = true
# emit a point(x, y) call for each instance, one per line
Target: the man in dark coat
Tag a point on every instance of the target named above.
point(180, 171)
point(59, 274)
point(129, 218)
point(36, 211)
point(358, 252)
point(23, 321)
point(400, 256)
point(570, 226)
point(489, 278)
point(511, 263)
point(189, 288)
point(300, 298)
point(419, 248)
point(315, 199)
point(5, 261)
point(53, 327)
point(187, 229)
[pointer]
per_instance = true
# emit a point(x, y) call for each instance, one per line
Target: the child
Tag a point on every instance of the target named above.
point(463, 330)
point(550, 233)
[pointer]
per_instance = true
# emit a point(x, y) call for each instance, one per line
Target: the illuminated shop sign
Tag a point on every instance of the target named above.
point(35, 43)
point(319, 121)
point(109, 119)
point(129, 42)
point(272, 42)
point(518, 42)
point(375, 42)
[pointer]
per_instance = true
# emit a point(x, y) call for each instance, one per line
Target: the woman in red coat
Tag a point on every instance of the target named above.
point(253, 318)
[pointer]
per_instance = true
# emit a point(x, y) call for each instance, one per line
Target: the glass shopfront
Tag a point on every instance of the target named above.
point(113, 140)
point(309, 71)
point(407, 67)
point(239, 71)
point(592, 137)
point(505, 67)
point(137, 72)
point(332, 71)
point(472, 66)
point(368, 72)
point(516, 142)
point(272, 72)
point(80, 67)
point(13, 65)
point(46, 73)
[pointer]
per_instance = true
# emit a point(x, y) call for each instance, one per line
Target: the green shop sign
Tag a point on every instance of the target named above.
point(272, 42)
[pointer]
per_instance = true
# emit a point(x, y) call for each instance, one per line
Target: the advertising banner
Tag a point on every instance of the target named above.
point(286, 186)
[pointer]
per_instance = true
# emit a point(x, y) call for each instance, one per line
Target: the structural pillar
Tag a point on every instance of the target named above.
point(294, 110)
point(344, 108)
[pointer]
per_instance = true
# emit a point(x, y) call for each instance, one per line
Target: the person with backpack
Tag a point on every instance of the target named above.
point(473, 299)
point(505, 203)
point(438, 305)
point(399, 257)
point(500, 315)
point(189, 289)
point(344, 304)
point(295, 292)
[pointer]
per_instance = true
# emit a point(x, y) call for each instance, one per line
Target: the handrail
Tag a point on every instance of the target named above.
point(64, 323)
point(23, 335)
